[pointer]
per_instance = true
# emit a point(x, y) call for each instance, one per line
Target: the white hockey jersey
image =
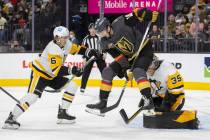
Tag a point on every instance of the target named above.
point(52, 58)
point(166, 79)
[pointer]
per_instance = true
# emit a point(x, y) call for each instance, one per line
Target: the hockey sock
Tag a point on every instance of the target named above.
point(26, 101)
point(68, 96)
point(105, 90)
point(67, 100)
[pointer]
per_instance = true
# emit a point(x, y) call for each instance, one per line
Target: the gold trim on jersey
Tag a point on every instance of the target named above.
point(41, 73)
point(74, 49)
point(34, 82)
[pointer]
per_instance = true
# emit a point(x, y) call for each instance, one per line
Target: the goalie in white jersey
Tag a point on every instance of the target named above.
point(48, 70)
point(167, 85)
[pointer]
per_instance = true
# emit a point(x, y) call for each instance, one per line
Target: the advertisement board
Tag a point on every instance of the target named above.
point(126, 6)
point(195, 68)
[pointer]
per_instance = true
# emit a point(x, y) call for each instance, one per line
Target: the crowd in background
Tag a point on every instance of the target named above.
point(16, 18)
point(182, 29)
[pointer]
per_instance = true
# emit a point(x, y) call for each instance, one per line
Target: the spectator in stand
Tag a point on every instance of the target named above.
point(171, 24)
point(201, 34)
point(155, 33)
point(183, 31)
point(73, 37)
point(187, 29)
point(155, 37)
point(16, 47)
point(178, 34)
point(208, 33)
point(193, 27)
point(3, 22)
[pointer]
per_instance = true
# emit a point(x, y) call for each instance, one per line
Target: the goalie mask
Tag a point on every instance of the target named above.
point(155, 63)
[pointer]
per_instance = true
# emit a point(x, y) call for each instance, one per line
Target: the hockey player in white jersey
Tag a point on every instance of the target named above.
point(167, 85)
point(48, 70)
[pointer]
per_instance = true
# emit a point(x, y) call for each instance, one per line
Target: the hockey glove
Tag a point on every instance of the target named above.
point(76, 71)
point(154, 16)
point(146, 15)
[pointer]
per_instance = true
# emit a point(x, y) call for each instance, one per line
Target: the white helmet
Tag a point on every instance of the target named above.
point(61, 31)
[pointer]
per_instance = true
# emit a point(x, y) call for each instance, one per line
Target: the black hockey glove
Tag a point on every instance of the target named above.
point(92, 52)
point(76, 71)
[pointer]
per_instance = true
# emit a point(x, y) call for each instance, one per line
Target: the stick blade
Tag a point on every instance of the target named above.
point(124, 116)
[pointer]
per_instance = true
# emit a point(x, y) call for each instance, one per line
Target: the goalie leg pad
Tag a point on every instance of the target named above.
point(172, 120)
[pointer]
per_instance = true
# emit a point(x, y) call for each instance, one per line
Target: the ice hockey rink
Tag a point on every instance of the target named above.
point(39, 122)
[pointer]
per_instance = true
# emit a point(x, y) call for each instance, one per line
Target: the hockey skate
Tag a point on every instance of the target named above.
point(96, 108)
point(64, 118)
point(82, 90)
point(147, 105)
point(11, 123)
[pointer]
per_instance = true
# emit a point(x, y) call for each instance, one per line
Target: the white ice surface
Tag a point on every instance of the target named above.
point(39, 122)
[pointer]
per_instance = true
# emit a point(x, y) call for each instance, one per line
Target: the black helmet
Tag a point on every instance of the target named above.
point(101, 24)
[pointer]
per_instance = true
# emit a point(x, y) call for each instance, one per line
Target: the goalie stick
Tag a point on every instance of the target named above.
point(125, 116)
point(2, 89)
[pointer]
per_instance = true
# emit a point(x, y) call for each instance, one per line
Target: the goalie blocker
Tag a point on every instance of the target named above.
point(183, 119)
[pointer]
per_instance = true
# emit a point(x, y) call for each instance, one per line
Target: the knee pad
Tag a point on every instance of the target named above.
point(30, 98)
point(139, 73)
point(71, 87)
point(108, 74)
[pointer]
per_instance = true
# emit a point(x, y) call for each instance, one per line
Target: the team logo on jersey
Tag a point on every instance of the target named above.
point(207, 67)
point(125, 46)
point(157, 84)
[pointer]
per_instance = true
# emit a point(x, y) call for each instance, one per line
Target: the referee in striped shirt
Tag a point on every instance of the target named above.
point(92, 42)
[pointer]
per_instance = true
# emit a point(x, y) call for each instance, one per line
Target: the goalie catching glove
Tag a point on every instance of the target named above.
point(76, 71)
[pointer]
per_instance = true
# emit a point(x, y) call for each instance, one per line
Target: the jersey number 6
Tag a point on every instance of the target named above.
point(53, 60)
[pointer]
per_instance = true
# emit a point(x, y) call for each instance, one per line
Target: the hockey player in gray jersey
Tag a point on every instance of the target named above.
point(121, 40)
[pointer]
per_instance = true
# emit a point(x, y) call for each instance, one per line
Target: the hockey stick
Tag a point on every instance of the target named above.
point(122, 111)
point(118, 101)
point(10, 95)
point(125, 116)
point(59, 90)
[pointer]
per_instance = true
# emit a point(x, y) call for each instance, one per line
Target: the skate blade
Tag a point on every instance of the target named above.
point(95, 112)
point(64, 121)
point(10, 126)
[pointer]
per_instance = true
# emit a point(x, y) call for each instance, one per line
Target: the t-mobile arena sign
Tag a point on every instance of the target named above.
point(126, 6)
